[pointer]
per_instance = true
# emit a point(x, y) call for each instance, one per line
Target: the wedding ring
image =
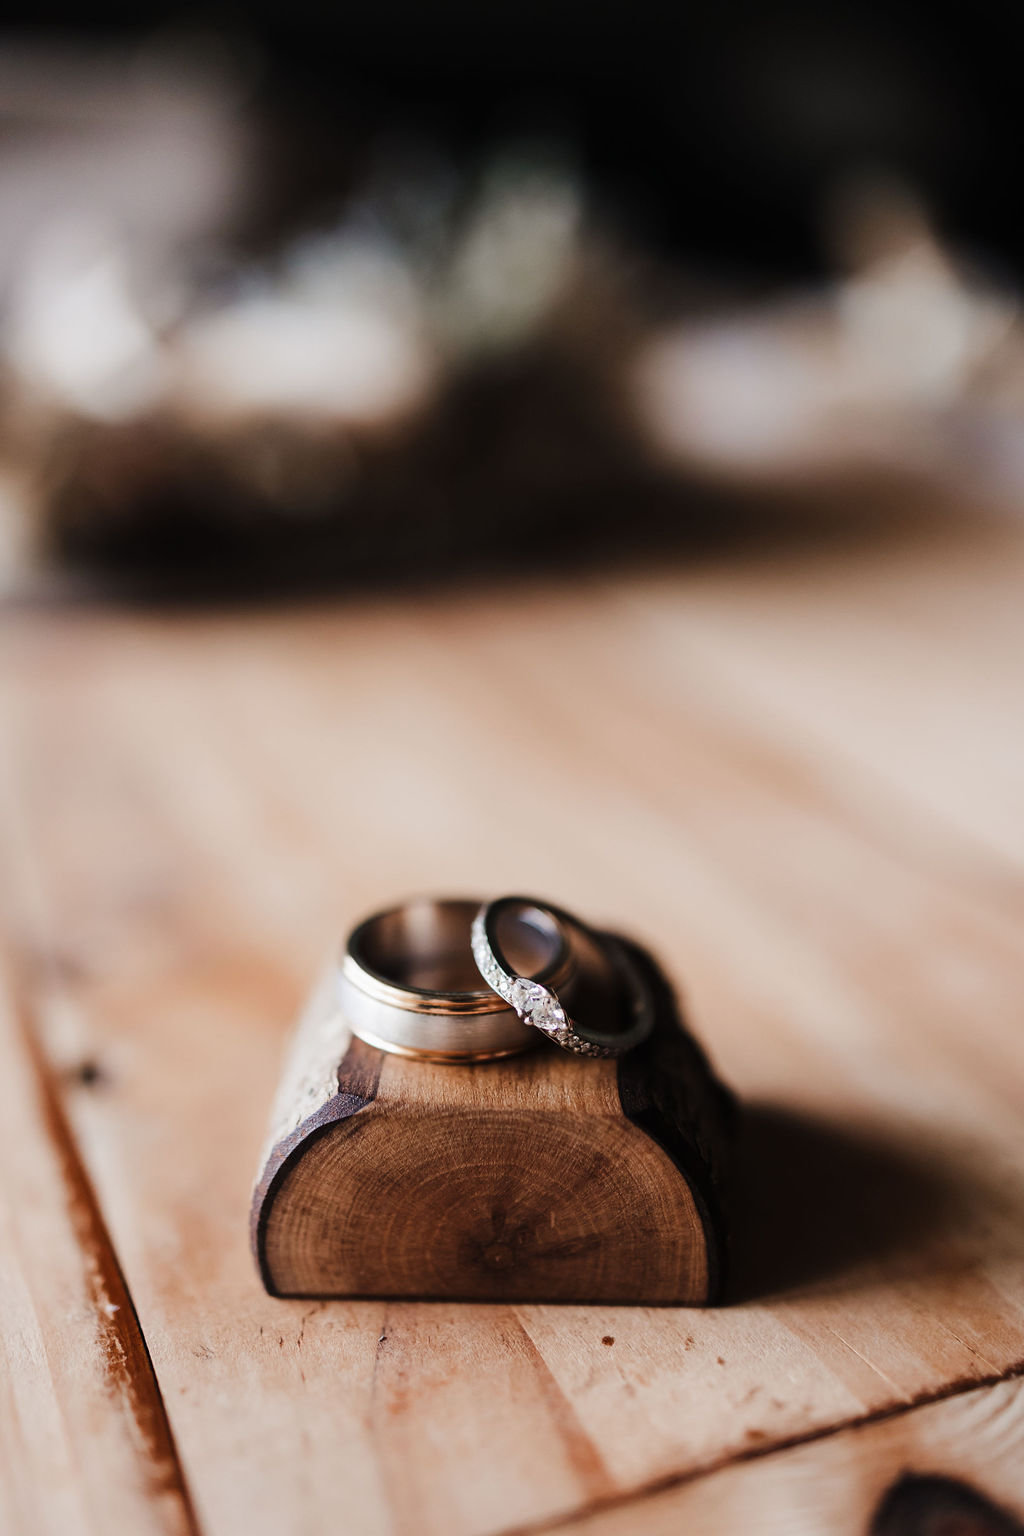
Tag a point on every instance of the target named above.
point(408, 984)
point(533, 997)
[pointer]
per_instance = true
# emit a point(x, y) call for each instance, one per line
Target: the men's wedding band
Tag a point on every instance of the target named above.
point(407, 982)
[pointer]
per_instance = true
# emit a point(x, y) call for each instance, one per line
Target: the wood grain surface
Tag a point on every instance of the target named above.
point(958, 1455)
point(798, 778)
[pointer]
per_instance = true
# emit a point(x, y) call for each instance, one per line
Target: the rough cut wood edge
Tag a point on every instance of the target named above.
point(669, 1090)
point(666, 1090)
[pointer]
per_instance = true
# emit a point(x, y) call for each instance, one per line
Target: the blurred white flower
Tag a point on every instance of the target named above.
point(75, 334)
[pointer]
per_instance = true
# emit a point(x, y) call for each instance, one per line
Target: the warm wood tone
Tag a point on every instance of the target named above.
point(541, 1178)
point(84, 1440)
point(965, 1451)
point(799, 779)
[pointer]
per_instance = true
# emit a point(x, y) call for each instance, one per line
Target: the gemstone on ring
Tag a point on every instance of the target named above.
point(536, 1004)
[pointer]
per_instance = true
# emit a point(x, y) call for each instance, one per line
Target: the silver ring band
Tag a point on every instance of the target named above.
point(534, 998)
point(407, 982)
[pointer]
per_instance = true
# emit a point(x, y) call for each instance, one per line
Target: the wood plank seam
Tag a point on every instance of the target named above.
point(126, 1355)
point(766, 1450)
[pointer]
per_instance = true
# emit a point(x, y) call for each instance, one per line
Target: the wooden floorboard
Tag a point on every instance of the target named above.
point(85, 1443)
point(966, 1449)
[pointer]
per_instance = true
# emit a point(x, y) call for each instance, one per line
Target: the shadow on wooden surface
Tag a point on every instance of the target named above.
point(815, 1203)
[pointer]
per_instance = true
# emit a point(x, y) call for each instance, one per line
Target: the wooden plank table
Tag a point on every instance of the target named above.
point(799, 777)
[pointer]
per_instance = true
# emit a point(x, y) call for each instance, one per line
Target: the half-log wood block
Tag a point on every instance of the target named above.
point(543, 1177)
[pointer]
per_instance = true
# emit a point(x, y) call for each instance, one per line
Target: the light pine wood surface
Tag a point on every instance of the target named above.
point(798, 777)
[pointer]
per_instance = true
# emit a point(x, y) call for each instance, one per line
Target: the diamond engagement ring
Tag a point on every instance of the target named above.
point(535, 1002)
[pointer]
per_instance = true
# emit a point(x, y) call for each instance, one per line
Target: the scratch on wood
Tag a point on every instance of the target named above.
point(310, 1312)
point(126, 1359)
point(382, 1344)
point(892, 1385)
point(965, 1344)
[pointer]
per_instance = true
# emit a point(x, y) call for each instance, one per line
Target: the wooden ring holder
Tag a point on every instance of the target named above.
point(544, 1177)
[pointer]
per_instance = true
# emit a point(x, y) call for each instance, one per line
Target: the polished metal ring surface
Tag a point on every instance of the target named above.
point(407, 982)
point(534, 998)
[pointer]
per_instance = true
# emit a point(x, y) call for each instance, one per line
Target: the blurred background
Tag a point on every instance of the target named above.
point(302, 297)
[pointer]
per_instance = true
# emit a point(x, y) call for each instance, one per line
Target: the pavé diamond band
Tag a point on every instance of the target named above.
point(534, 998)
point(408, 984)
